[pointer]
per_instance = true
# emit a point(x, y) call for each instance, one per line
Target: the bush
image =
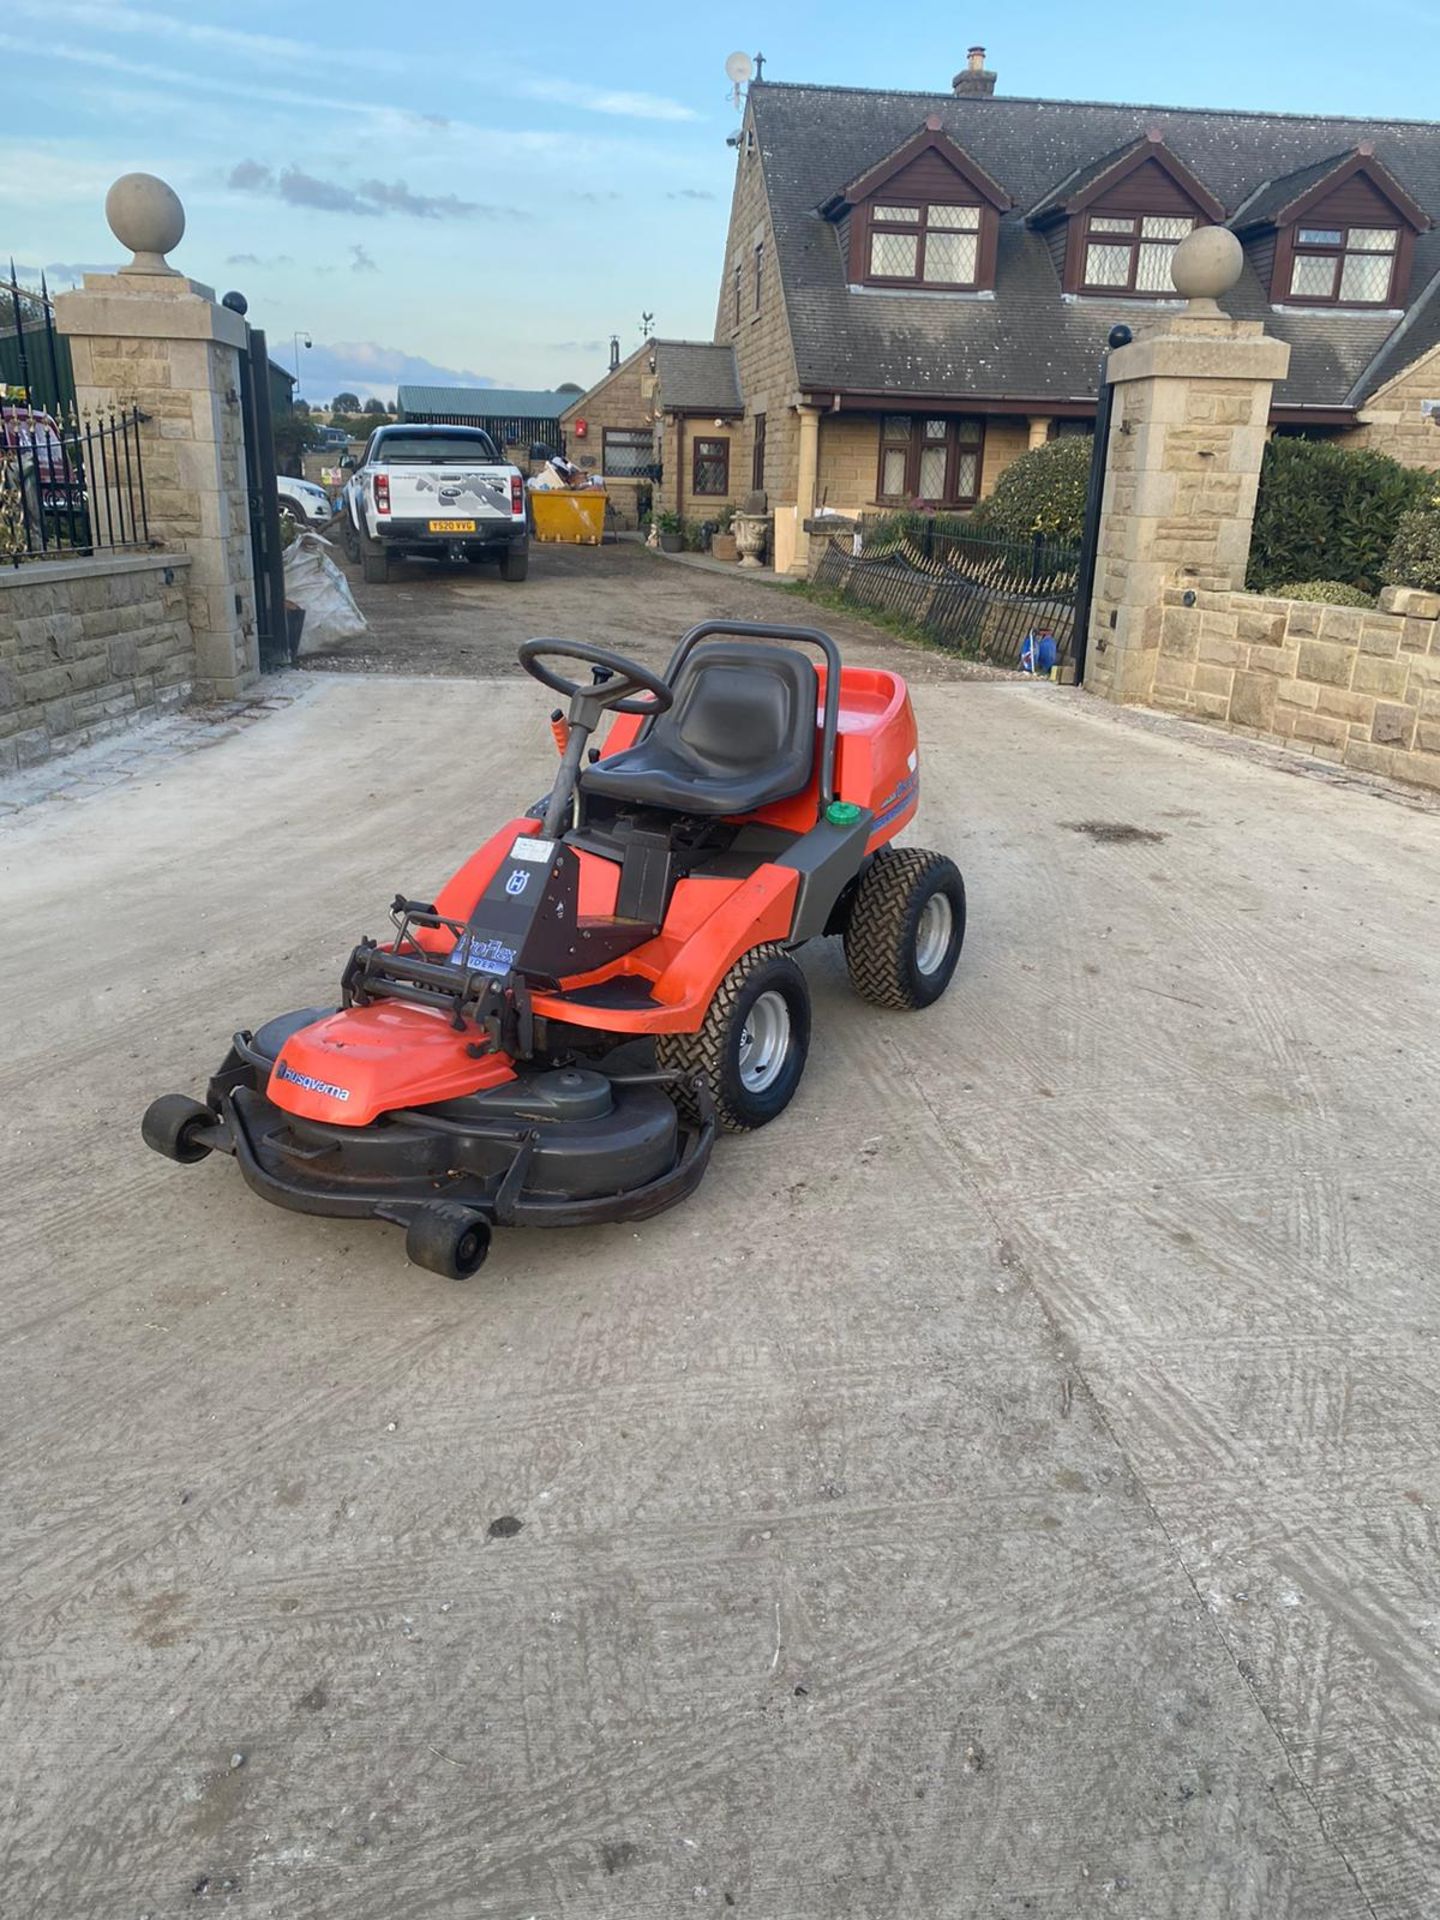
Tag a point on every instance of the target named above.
point(1041, 492)
point(1328, 512)
point(1414, 559)
point(1334, 593)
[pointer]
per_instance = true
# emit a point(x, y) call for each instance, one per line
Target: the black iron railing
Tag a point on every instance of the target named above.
point(975, 593)
point(72, 482)
point(72, 485)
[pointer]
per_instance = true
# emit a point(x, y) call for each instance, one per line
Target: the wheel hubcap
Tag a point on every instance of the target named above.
point(932, 935)
point(764, 1042)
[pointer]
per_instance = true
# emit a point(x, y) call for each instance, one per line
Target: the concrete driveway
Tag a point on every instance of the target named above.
point(1008, 1487)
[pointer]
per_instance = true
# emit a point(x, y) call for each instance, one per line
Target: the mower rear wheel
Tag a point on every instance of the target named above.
point(906, 928)
point(170, 1125)
point(448, 1239)
point(752, 1046)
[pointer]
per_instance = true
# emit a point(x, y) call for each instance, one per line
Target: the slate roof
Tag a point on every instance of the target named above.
point(1275, 195)
point(484, 403)
point(1025, 340)
point(695, 376)
point(1079, 178)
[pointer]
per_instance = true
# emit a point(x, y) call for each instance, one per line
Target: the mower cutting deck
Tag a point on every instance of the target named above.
point(555, 1038)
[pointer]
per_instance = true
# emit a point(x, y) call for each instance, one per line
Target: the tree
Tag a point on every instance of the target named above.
point(345, 403)
point(302, 407)
point(295, 433)
point(372, 405)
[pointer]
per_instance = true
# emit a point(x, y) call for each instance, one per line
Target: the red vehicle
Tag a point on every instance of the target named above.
point(555, 1038)
point(31, 441)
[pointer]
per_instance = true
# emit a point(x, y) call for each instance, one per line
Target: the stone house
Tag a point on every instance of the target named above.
point(918, 287)
point(665, 423)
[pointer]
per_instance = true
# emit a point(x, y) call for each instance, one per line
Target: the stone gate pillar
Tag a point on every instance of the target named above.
point(1190, 422)
point(148, 337)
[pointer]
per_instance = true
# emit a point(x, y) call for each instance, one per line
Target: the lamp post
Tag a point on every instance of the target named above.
point(300, 334)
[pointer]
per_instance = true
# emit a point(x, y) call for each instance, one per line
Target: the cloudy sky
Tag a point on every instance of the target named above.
point(440, 193)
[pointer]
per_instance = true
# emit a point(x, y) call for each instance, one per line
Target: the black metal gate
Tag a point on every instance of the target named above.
point(263, 503)
point(1011, 602)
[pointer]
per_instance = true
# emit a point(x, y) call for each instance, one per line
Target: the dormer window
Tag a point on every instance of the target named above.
point(1130, 253)
point(1113, 225)
point(1338, 233)
point(1344, 266)
point(925, 217)
point(933, 244)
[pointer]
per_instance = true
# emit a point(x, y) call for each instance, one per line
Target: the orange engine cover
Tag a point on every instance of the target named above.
point(353, 1066)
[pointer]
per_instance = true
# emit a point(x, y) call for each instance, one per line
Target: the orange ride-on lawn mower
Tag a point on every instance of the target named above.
point(477, 1071)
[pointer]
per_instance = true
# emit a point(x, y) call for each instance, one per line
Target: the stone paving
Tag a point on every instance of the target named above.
point(145, 750)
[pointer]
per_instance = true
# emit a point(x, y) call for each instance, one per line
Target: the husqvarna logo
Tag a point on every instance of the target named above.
point(310, 1083)
point(517, 882)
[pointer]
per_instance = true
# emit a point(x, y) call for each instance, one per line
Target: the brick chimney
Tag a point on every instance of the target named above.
point(975, 80)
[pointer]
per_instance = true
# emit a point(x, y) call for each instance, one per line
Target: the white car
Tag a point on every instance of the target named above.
point(304, 502)
point(443, 491)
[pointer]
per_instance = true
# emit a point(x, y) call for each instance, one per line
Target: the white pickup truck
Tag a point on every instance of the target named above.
point(443, 491)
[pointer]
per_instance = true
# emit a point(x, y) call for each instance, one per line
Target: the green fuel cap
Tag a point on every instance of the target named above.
point(843, 813)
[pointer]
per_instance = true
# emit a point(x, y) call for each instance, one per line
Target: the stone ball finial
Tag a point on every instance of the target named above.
point(1207, 263)
point(145, 215)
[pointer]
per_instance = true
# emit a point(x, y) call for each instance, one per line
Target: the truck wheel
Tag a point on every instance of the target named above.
point(515, 563)
point(170, 1125)
point(448, 1239)
point(752, 1045)
point(375, 563)
point(906, 927)
point(350, 540)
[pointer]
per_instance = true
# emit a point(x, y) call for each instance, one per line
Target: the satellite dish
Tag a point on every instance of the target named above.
point(738, 68)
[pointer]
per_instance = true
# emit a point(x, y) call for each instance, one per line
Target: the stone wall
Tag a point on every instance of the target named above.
point(158, 341)
point(88, 648)
point(1391, 421)
point(1355, 687)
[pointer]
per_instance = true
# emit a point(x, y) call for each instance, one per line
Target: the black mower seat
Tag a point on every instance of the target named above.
point(740, 734)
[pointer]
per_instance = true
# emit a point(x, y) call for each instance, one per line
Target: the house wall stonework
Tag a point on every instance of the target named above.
point(764, 357)
point(850, 458)
point(1359, 688)
point(1005, 440)
point(88, 648)
point(1391, 421)
point(625, 398)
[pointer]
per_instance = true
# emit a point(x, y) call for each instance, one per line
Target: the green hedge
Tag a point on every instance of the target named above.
point(1328, 512)
point(1334, 593)
point(1041, 492)
point(1414, 559)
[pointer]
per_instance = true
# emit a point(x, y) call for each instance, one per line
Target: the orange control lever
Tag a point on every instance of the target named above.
point(560, 728)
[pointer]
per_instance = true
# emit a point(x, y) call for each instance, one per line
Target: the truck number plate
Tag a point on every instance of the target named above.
point(452, 526)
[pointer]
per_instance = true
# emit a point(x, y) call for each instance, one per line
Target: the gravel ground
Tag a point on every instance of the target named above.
point(466, 620)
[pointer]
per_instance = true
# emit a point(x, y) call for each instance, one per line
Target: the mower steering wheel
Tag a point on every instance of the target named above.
point(631, 677)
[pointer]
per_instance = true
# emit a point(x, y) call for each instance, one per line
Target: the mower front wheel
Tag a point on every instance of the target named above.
point(752, 1046)
point(170, 1125)
point(905, 928)
point(448, 1239)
